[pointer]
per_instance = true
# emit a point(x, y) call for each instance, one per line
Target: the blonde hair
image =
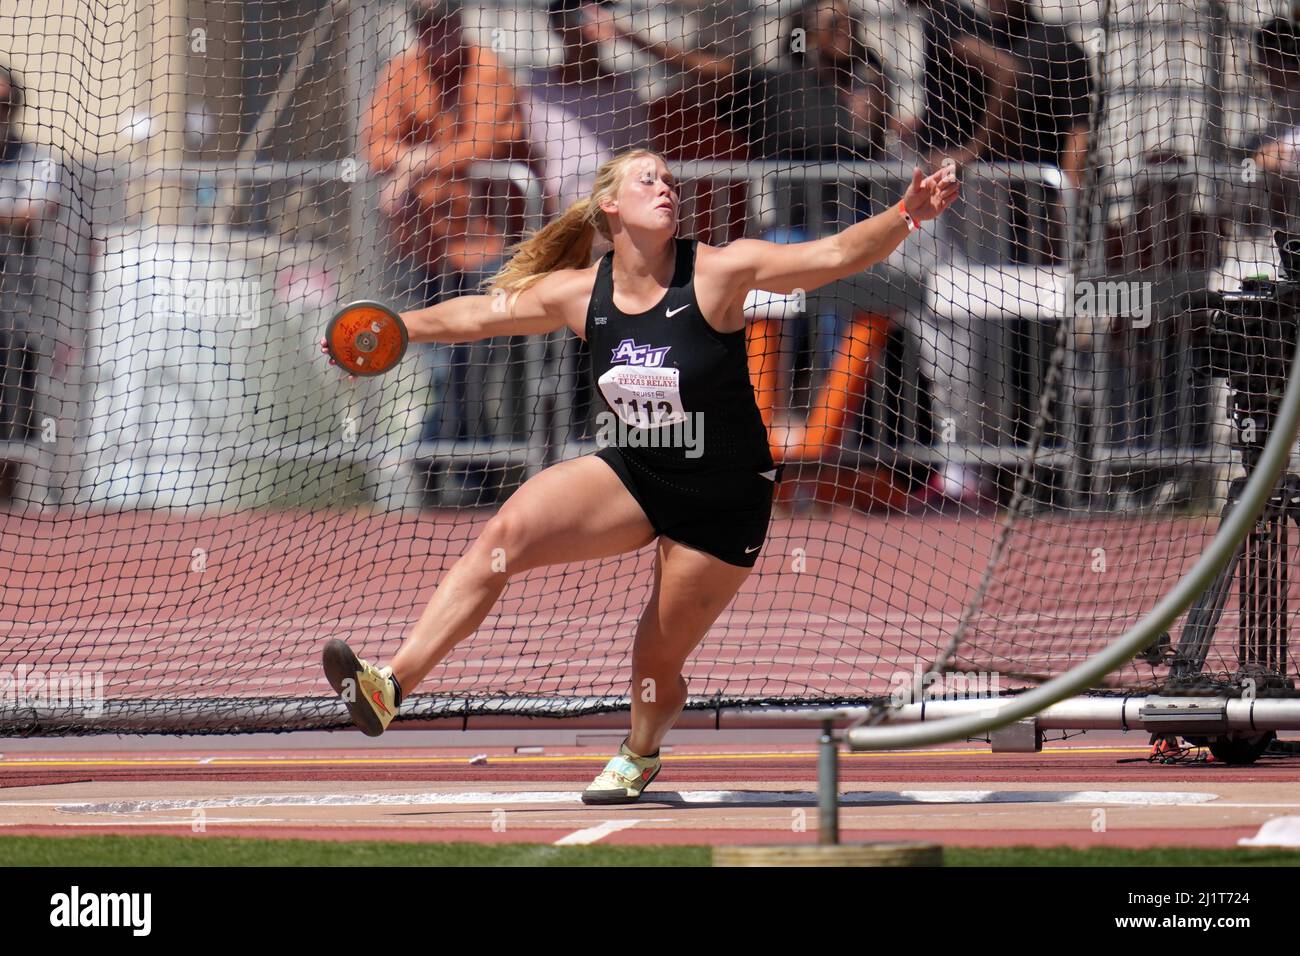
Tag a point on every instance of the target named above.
point(565, 242)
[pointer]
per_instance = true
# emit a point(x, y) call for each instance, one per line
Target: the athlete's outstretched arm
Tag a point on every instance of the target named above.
point(785, 267)
point(538, 309)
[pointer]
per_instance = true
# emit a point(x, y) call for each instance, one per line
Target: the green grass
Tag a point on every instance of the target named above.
point(235, 851)
point(229, 851)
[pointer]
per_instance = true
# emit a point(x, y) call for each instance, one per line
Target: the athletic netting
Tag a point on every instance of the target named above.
point(1002, 444)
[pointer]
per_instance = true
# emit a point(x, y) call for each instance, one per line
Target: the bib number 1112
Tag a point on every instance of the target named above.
point(647, 413)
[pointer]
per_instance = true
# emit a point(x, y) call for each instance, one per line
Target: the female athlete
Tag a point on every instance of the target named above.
point(664, 319)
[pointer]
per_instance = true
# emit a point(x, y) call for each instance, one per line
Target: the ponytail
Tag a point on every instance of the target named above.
point(564, 242)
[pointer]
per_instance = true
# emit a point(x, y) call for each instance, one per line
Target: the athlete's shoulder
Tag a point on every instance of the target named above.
point(719, 285)
point(730, 259)
point(707, 255)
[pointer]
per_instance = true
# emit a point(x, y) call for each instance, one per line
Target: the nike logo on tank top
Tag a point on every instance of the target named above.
point(677, 391)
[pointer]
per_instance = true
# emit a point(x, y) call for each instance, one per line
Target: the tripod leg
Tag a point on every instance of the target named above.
point(1263, 631)
point(1203, 617)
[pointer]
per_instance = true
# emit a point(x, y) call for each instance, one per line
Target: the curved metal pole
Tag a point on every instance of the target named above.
point(1234, 529)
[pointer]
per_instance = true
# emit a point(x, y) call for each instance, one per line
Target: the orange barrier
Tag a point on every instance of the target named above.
point(814, 442)
point(764, 348)
point(842, 391)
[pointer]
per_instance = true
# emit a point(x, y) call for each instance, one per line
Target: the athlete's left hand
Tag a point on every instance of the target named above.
point(929, 196)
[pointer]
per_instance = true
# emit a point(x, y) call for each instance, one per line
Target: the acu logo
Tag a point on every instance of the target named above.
point(648, 356)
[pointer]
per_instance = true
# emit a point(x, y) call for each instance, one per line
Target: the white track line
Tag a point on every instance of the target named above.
point(1134, 798)
point(592, 834)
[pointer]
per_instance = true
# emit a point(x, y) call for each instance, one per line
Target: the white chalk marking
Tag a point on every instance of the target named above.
point(1142, 798)
point(1280, 831)
point(592, 834)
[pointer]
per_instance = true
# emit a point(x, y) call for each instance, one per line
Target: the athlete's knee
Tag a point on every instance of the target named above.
point(649, 658)
point(501, 546)
point(652, 688)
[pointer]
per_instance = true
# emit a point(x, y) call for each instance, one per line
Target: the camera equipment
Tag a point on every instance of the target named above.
point(1250, 340)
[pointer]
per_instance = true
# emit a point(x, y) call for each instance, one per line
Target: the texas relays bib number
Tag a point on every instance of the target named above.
point(644, 397)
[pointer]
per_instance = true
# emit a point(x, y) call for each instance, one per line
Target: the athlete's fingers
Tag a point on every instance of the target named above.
point(324, 347)
point(945, 173)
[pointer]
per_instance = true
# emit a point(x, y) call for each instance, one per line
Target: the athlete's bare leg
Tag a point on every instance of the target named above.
point(574, 511)
point(691, 589)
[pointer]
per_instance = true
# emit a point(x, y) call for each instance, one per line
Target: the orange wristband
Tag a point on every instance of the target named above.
point(912, 225)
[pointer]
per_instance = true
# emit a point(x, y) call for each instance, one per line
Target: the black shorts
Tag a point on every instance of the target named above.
point(724, 514)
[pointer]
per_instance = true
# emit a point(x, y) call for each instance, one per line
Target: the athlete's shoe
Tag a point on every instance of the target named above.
point(366, 689)
point(624, 778)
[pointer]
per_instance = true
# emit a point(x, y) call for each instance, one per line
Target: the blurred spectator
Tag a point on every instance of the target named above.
point(1029, 88)
point(1006, 87)
point(1266, 198)
point(689, 122)
point(954, 86)
point(831, 106)
point(835, 103)
point(439, 107)
point(605, 102)
point(1276, 145)
point(567, 152)
point(578, 113)
point(1053, 104)
point(30, 199)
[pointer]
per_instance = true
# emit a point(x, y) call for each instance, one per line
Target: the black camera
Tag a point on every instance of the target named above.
point(1250, 339)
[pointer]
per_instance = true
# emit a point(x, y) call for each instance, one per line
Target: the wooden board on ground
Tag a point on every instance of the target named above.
point(838, 854)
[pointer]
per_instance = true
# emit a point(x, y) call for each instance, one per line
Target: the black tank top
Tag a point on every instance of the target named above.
point(677, 391)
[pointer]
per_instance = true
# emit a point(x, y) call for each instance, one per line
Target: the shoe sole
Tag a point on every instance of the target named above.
point(598, 797)
point(341, 664)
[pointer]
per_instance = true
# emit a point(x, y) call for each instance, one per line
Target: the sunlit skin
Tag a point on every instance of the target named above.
point(550, 519)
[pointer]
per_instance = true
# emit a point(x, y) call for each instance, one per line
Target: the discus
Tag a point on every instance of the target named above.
point(366, 338)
